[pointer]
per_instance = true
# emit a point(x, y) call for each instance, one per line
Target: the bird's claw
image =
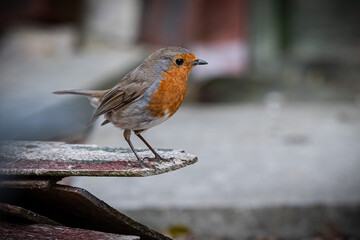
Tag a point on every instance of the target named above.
point(142, 164)
point(159, 159)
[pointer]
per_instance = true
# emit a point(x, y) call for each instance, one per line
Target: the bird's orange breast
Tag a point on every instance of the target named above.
point(170, 94)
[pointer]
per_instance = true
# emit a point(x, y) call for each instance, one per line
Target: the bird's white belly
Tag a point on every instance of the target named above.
point(135, 116)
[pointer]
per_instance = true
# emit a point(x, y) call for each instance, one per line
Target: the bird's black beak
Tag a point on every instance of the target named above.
point(199, 62)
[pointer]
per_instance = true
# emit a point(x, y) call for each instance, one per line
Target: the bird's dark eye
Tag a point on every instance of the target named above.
point(179, 61)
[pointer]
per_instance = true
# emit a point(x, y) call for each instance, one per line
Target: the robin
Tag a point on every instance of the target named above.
point(146, 96)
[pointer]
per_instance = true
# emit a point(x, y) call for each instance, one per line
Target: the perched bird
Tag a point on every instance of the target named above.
point(146, 96)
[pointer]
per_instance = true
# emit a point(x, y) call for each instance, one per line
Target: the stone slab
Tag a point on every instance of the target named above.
point(57, 159)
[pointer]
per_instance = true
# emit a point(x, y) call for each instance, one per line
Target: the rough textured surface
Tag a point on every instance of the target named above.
point(30, 158)
point(42, 231)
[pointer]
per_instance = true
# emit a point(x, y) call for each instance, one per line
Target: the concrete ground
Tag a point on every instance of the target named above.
point(305, 154)
point(253, 158)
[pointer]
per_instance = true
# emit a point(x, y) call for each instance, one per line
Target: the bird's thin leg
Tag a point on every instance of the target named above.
point(127, 134)
point(157, 158)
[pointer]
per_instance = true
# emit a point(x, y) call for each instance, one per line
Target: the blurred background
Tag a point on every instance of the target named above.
point(273, 118)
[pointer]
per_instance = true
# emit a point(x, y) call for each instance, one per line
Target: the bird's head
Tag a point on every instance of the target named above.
point(175, 59)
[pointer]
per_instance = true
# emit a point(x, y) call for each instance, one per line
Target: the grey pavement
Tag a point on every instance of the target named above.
point(250, 156)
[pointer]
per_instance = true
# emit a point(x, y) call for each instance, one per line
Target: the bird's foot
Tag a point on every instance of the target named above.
point(159, 159)
point(142, 164)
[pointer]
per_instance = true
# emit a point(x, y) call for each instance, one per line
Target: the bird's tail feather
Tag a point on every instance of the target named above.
point(94, 96)
point(88, 93)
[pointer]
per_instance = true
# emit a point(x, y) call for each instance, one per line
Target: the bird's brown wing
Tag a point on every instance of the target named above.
point(131, 87)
